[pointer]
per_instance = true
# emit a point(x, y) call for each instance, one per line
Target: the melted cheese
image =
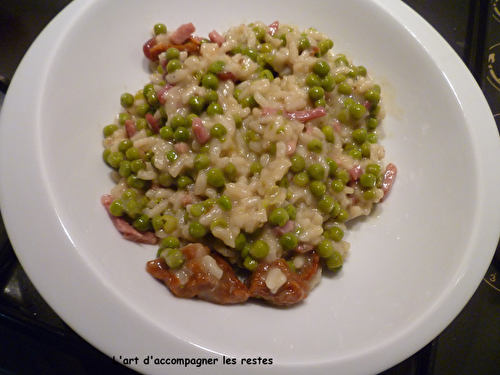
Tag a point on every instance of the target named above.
point(275, 279)
point(211, 266)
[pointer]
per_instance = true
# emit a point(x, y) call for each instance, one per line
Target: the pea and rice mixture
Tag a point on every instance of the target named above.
point(243, 158)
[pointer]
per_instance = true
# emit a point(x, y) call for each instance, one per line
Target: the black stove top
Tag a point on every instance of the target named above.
point(34, 340)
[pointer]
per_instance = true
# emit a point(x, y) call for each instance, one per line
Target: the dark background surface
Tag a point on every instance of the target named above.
point(34, 340)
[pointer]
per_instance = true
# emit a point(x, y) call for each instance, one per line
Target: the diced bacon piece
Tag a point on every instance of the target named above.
point(215, 37)
point(388, 179)
point(147, 49)
point(194, 278)
point(182, 33)
point(226, 76)
point(130, 128)
point(288, 227)
point(153, 123)
point(161, 93)
point(336, 126)
point(181, 147)
point(355, 172)
point(128, 231)
point(292, 291)
point(273, 27)
point(186, 199)
point(290, 147)
point(306, 115)
point(200, 132)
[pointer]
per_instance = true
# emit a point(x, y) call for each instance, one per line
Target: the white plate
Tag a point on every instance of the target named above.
point(413, 265)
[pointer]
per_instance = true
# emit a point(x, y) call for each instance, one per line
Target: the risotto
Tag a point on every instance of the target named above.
point(243, 158)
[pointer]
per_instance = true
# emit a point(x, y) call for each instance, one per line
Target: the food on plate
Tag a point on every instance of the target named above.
point(243, 158)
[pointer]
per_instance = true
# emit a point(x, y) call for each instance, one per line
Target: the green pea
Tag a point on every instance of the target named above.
point(137, 165)
point(359, 135)
point(142, 109)
point(328, 83)
point(342, 216)
point(171, 155)
point(216, 67)
point(240, 241)
point(211, 96)
point(218, 131)
point(126, 100)
point(157, 222)
point(116, 208)
point(341, 60)
point(344, 88)
point(250, 52)
point(135, 182)
point(197, 230)
point(372, 138)
point(124, 145)
point(372, 96)
point(279, 216)
point(215, 177)
point(336, 234)
point(304, 44)
point(160, 28)
point(255, 167)
point(225, 202)
point(125, 169)
point(170, 223)
point(153, 99)
point(181, 134)
point(201, 161)
point(133, 208)
point(184, 181)
point(129, 194)
point(321, 68)
point(326, 204)
point(325, 45)
point(292, 211)
point(260, 33)
point(369, 194)
point(173, 257)
point(197, 209)
point(342, 175)
point(325, 249)
point(374, 169)
point(315, 93)
point(315, 146)
point(317, 188)
point(190, 118)
point(142, 222)
point(301, 179)
point(250, 264)
point(288, 241)
point(298, 163)
point(218, 222)
point(178, 121)
point(339, 78)
point(173, 65)
point(266, 74)
point(197, 104)
point(166, 133)
point(230, 172)
point(141, 123)
point(335, 261)
point(371, 123)
point(337, 185)
point(115, 158)
point(313, 80)
point(259, 249)
point(238, 121)
point(109, 129)
point(248, 102)
point(355, 153)
point(210, 81)
point(357, 111)
point(316, 171)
